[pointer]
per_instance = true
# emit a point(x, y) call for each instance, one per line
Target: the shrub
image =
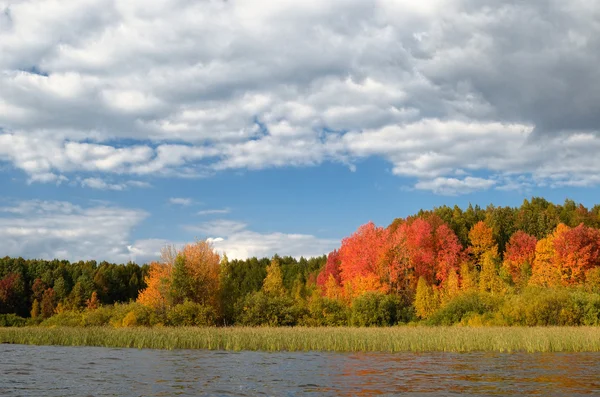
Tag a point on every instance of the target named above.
point(262, 309)
point(64, 319)
point(464, 306)
point(12, 320)
point(98, 317)
point(377, 309)
point(325, 312)
point(541, 306)
point(132, 314)
point(191, 314)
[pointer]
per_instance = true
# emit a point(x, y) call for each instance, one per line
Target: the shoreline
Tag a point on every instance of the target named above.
point(324, 339)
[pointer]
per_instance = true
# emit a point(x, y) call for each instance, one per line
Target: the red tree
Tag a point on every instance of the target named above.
point(520, 252)
point(360, 256)
point(425, 248)
point(11, 292)
point(332, 268)
point(360, 253)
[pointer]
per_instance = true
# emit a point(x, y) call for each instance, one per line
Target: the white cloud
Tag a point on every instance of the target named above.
point(56, 229)
point(183, 201)
point(238, 242)
point(435, 88)
point(97, 183)
point(246, 244)
point(454, 186)
point(215, 211)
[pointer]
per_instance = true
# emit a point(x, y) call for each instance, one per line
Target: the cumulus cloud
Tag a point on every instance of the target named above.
point(247, 244)
point(454, 186)
point(57, 229)
point(238, 242)
point(435, 88)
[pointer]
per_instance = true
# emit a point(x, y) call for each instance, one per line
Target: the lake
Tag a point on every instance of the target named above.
point(92, 371)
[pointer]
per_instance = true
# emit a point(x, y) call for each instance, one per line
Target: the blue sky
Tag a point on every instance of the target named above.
point(281, 127)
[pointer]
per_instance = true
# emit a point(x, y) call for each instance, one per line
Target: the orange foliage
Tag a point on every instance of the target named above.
point(546, 265)
point(203, 266)
point(577, 251)
point(482, 241)
point(158, 282)
point(361, 284)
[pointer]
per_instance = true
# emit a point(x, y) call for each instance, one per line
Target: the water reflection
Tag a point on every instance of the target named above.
point(77, 371)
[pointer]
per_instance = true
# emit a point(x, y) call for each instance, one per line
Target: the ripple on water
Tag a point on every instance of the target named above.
point(77, 371)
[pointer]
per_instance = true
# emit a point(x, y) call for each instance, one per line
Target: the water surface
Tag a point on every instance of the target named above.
point(91, 371)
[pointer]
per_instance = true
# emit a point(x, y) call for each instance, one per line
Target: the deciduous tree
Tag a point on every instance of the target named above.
point(519, 256)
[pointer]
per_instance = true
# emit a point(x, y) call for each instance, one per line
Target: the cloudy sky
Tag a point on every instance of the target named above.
point(280, 126)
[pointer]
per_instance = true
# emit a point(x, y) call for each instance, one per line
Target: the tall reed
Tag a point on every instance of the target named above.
point(343, 339)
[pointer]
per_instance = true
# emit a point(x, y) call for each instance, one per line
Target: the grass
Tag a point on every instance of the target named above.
point(396, 339)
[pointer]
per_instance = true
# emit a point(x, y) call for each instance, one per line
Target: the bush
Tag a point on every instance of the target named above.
point(132, 314)
point(191, 314)
point(12, 320)
point(64, 319)
point(325, 312)
point(464, 307)
point(98, 317)
point(538, 306)
point(262, 309)
point(377, 309)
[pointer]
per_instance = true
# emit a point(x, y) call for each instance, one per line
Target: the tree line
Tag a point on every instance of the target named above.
point(537, 264)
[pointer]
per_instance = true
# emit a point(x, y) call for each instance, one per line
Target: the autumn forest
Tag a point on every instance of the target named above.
point(538, 264)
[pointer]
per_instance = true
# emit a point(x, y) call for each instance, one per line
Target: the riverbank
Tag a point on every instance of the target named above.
point(392, 339)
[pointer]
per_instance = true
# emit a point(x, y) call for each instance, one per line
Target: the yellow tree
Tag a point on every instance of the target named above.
point(273, 283)
point(451, 287)
point(468, 278)
point(489, 280)
point(332, 289)
point(426, 299)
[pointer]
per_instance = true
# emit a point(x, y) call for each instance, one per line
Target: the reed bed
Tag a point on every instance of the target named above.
point(343, 339)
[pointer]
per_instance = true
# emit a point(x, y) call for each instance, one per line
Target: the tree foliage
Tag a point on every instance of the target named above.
point(445, 265)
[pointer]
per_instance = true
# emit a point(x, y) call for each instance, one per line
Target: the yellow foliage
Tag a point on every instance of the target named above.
point(273, 283)
point(427, 300)
point(469, 278)
point(451, 287)
point(332, 289)
point(546, 271)
point(489, 280)
point(130, 320)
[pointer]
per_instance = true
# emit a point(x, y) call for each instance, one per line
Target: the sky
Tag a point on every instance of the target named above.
point(281, 126)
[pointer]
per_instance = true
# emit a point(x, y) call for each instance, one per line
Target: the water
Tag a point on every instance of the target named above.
point(90, 371)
